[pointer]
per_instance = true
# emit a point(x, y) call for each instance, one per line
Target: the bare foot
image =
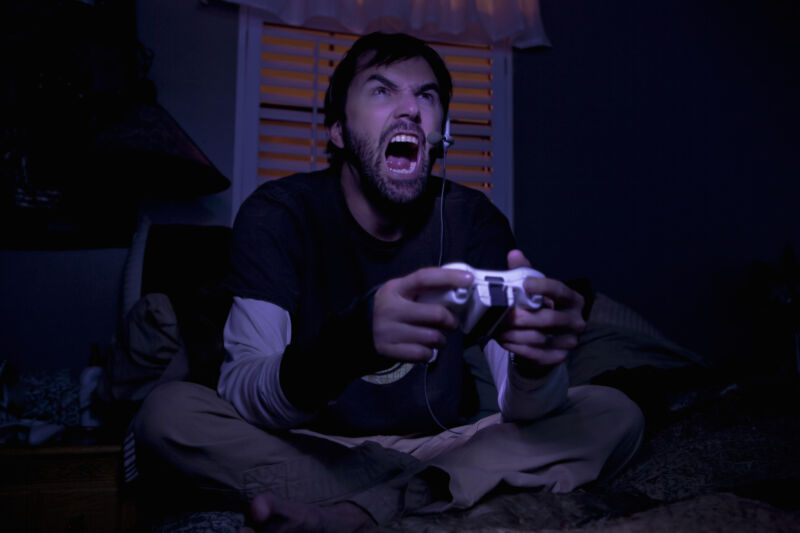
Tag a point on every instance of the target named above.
point(272, 514)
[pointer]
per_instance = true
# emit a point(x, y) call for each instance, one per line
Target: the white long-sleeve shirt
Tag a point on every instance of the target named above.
point(257, 332)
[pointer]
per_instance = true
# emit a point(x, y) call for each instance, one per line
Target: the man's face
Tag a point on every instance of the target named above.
point(390, 111)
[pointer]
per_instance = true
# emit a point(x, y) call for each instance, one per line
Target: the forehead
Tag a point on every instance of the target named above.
point(413, 72)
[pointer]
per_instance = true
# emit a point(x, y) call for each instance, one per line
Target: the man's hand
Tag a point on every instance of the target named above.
point(406, 330)
point(546, 335)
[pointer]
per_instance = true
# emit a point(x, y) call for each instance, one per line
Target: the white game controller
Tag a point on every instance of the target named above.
point(485, 303)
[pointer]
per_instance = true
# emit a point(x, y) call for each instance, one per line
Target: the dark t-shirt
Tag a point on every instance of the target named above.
point(295, 244)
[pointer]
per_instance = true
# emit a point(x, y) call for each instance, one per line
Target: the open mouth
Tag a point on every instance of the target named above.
point(402, 153)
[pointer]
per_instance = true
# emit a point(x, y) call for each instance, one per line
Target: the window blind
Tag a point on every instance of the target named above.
point(295, 68)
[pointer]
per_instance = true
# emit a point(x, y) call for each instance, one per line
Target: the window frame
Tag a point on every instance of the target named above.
point(246, 145)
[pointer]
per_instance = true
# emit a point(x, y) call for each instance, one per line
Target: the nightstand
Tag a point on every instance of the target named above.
point(69, 488)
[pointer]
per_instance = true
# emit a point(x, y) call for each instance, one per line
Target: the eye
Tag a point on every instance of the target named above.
point(428, 96)
point(380, 90)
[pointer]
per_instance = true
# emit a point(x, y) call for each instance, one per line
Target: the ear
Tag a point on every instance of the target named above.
point(336, 134)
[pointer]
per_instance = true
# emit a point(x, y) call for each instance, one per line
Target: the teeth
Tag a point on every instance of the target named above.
point(403, 138)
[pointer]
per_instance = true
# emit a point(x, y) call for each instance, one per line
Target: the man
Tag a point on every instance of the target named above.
point(330, 415)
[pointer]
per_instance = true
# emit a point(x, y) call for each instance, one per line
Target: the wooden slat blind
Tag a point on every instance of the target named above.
point(296, 65)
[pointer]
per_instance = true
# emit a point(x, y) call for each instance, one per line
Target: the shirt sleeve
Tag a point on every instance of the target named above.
point(522, 398)
point(255, 337)
point(279, 384)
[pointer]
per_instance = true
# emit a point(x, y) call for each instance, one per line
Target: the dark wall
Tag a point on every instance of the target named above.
point(58, 299)
point(656, 153)
point(194, 70)
point(56, 304)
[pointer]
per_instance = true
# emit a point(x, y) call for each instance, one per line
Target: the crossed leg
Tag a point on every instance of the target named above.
point(302, 482)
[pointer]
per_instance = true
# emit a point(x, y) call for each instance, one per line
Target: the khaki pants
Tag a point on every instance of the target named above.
point(188, 426)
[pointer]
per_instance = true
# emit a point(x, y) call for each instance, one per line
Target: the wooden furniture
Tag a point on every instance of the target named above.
point(67, 488)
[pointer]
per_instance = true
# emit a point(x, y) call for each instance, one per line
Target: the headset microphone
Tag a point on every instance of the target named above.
point(435, 139)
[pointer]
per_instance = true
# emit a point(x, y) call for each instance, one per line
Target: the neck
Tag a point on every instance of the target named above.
point(378, 222)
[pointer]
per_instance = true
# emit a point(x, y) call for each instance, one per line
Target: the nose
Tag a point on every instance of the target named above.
point(408, 107)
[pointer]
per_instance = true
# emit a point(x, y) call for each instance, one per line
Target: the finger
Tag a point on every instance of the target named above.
point(408, 352)
point(392, 306)
point(433, 278)
point(552, 320)
point(539, 339)
point(399, 333)
point(517, 259)
point(425, 314)
point(561, 295)
point(529, 337)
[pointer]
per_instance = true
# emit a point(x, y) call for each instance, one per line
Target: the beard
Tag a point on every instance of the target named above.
point(376, 181)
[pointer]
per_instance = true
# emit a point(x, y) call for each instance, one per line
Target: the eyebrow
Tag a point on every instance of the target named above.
point(383, 79)
point(392, 85)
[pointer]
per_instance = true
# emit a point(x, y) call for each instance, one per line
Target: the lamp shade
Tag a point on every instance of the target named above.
point(149, 150)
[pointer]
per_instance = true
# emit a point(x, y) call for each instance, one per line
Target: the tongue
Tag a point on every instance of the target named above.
point(395, 162)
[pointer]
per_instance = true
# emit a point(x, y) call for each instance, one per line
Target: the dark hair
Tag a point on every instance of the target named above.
point(388, 48)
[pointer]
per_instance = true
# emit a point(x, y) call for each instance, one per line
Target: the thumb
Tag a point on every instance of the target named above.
point(517, 259)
